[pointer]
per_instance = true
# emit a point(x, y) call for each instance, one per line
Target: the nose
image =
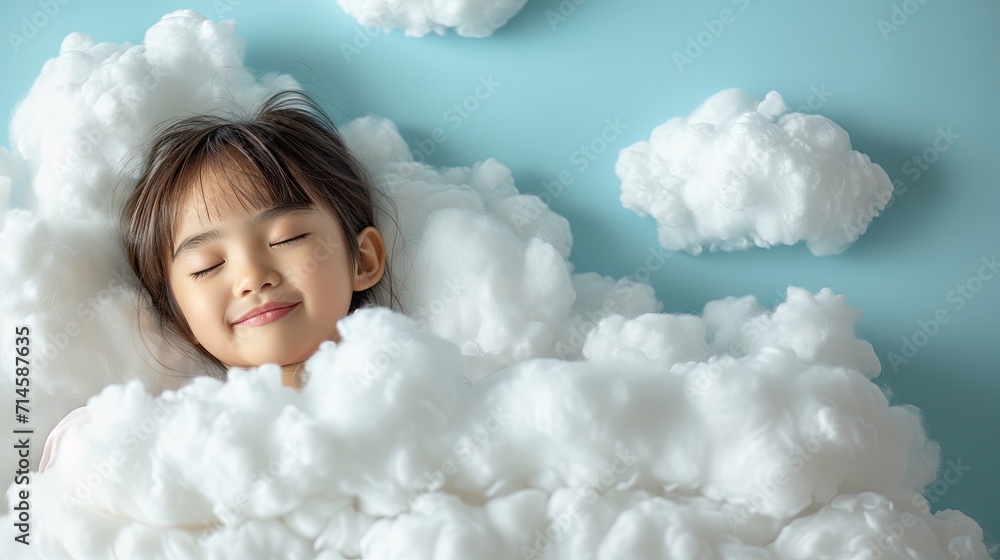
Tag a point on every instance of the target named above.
point(255, 272)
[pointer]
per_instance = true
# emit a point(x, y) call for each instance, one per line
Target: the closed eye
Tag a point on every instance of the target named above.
point(289, 241)
point(201, 273)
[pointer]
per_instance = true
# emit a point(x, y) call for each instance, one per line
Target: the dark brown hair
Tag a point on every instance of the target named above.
point(287, 153)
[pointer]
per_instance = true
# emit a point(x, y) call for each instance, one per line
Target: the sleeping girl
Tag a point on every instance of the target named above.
point(253, 237)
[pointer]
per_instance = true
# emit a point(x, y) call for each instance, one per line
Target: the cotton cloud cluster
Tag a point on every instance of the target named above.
point(737, 173)
point(469, 18)
point(388, 450)
point(516, 409)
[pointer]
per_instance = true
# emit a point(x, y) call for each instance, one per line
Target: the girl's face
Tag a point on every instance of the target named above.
point(225, 267)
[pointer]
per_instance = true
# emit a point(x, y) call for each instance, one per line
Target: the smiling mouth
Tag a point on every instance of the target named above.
point(267, 316)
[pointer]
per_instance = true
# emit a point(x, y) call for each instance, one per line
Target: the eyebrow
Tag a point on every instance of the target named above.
point(204, 237)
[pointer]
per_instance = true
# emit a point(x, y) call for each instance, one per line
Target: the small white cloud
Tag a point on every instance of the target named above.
point(737, 173)
point(469, 18)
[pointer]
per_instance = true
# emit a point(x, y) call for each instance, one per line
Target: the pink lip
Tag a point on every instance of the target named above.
point(268, 316)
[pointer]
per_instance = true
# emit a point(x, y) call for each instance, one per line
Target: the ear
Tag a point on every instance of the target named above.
point(371, 265)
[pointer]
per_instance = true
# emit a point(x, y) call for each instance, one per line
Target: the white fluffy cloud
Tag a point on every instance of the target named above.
point(737, 173)
point(388, 450)
point(517, 409)
point(469, 18)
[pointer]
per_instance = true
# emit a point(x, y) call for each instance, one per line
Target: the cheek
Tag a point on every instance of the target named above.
point(187, 311)
point(330, 286)
point(195, 305)
point(315, 264)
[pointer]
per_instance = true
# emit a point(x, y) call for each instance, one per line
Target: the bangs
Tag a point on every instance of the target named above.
point(252, 176)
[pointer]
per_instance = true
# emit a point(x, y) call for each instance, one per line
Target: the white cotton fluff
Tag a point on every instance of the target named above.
point(516, 409)
point(737, 173)
point(817, 328)
point(387, 450)
point(99, 101)
point(469, 18)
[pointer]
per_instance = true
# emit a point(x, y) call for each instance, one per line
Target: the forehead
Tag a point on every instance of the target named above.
point(209, 197)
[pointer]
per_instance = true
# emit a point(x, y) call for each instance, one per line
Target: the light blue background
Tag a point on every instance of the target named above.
point(614, 60)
